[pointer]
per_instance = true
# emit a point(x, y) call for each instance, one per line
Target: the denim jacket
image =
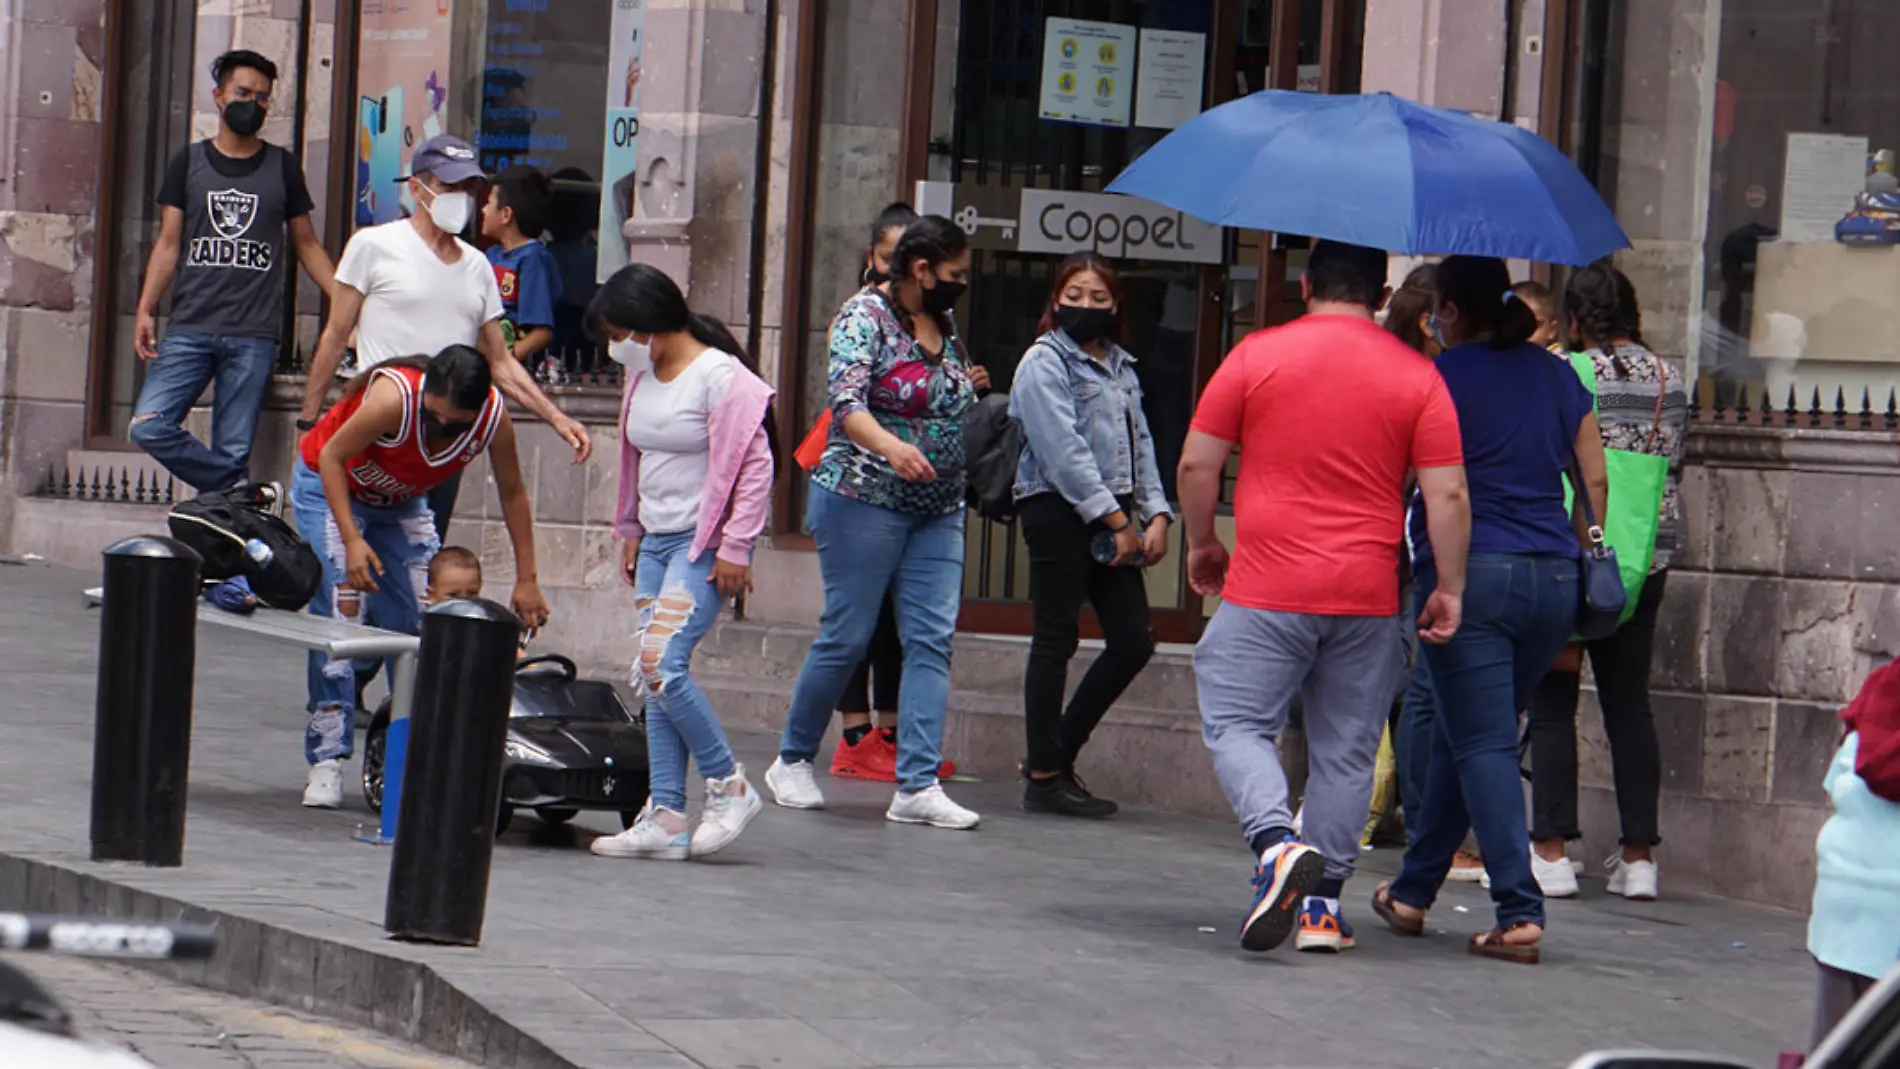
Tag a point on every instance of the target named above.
point(1075, 412)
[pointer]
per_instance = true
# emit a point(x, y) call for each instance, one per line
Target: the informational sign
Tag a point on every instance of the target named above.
point(1307, 79)
point(1168, 80)
point(1824, 173)
point(1118, 227)
point(1088, 72)
point(403, 78)
point(620, 156)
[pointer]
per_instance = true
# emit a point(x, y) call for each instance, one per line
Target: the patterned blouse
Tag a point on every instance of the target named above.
point(878, 367)
point(1626, 410)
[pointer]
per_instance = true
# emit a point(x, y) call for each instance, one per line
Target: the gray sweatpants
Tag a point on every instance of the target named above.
point(1248, 666)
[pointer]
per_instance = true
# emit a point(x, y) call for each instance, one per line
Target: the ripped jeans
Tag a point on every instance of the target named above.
point(676, 605)
point(403, 537)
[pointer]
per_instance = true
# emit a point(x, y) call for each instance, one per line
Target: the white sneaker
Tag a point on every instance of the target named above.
point(930, 806)
point(1634, 880)
point(1555, 878)
point(646, 839)
point(731, 803)
point(794, 786)
point(323, 788)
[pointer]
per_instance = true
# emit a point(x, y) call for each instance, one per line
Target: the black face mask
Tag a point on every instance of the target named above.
point(244, 117)
point(435, 427)
point(874, 277)
point(1084, 325)
point(945, 297)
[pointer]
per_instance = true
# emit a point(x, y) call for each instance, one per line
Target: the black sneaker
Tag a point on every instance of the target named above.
point(1065, 796)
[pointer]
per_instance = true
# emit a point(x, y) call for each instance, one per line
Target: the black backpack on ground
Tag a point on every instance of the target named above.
point(992, 447)
point(218, 525)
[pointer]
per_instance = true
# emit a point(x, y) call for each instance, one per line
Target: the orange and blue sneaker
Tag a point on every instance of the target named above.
point(1322, 929)
point(1287, 874)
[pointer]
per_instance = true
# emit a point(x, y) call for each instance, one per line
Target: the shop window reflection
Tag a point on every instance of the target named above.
point(1804, 110)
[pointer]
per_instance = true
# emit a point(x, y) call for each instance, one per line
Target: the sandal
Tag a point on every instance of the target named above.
point(1492, 944)
point(1382, 905)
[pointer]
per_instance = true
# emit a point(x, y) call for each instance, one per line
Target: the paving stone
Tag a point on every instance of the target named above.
point(834, 938)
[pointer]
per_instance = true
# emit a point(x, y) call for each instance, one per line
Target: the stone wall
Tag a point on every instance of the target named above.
point(1785, 594)
point(48, 190)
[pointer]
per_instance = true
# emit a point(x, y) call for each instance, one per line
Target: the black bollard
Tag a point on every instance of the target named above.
point(141, 747)
point(451, 782)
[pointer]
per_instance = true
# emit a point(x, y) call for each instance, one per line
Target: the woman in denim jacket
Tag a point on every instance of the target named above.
point(1088, 467)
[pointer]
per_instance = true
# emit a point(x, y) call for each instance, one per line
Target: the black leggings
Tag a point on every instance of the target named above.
point(1062, 575)
point(883, 664)
point(1621, 663)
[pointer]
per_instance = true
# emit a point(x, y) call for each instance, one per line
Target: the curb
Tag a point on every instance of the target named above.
point(384, 992)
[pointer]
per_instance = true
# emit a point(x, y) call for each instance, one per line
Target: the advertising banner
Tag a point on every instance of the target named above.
point(620, 157)
point(403, 80)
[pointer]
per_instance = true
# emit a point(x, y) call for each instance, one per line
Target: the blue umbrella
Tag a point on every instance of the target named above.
point(1378, 170)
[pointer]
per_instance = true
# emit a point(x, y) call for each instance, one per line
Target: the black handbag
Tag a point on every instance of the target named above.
point(1600, 606)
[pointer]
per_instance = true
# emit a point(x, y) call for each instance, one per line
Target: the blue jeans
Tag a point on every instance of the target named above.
point(403, 539)
point(1518, 613)
point(186, 364)
point(863, 550)
point(1412, 743)
point(676, 604)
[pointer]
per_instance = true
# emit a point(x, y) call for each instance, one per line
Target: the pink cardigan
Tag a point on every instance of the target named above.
point(738, 492)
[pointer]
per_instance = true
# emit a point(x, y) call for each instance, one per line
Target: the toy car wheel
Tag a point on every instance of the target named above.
point(506, 814)
point(628, 817)
point(374, 750)
point(555, 815)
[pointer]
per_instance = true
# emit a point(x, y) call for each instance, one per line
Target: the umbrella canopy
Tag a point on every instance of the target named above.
point(1381, 171)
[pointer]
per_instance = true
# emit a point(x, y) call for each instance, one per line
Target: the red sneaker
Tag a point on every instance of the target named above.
point(873, 758)
point(944, 771)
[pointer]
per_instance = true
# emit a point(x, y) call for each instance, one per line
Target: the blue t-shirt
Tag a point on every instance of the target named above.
point(530, 282)
point(1518, 413)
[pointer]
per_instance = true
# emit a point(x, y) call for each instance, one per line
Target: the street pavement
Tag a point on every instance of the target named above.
point(174, 1026)
point(834, 939)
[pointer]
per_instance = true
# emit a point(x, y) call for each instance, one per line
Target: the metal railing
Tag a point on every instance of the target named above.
point(111, 483)
point(1759, 410)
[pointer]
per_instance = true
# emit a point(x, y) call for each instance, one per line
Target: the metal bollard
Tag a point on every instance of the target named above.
point(141, 747)
point(451, 783)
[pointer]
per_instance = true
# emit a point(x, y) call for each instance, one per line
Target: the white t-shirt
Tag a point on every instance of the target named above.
point(668, 423)
point(413, 303)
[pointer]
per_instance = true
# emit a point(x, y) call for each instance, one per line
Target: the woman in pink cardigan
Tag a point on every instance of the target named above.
point(696, 464)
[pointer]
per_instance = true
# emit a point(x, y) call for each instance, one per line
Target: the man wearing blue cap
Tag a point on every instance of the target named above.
point(413, 287)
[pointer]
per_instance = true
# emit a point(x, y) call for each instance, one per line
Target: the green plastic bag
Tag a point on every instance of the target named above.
point(1635, 508)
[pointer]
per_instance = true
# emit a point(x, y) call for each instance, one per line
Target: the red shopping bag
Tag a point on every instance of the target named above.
point(813, 447)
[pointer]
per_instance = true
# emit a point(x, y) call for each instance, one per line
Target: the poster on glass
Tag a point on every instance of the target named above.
point(619, 164)
point(402, 79)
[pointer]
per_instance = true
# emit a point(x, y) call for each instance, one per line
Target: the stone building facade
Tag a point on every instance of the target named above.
point(772, 131)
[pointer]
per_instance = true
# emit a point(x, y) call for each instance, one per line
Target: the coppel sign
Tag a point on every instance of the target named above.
point(1118, 227)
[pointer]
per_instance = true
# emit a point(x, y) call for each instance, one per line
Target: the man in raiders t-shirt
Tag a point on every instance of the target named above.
point(225, 208)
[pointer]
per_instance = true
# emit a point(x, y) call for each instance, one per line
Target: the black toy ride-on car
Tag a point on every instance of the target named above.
point(572, 745)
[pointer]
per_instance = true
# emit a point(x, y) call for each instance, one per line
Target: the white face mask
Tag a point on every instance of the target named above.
point(450, 211)
point(631, 354)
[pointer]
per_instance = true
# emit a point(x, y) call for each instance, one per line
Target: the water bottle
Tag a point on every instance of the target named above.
point(1102, 548)
point(259, 553)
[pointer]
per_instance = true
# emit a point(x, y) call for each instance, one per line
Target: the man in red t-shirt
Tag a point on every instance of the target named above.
point(1329, 413)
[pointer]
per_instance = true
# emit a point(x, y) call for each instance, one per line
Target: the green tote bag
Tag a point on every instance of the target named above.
point(1636, 493)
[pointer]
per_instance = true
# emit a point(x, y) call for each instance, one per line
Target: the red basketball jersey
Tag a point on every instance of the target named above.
point(399, 467)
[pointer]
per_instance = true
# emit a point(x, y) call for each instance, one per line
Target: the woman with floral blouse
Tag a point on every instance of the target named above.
point(886, 511)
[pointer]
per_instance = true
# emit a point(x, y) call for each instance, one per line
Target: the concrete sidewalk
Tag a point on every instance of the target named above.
point(835, 939)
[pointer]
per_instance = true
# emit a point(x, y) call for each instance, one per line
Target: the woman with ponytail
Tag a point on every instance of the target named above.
point(1642, 407)
point(1523, 417)
point(696, 462)
point(886, 511)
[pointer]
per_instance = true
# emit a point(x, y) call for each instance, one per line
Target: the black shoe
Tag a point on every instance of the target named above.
point(1065, 796)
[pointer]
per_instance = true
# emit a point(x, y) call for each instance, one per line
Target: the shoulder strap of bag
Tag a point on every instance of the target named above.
point(1662, 388)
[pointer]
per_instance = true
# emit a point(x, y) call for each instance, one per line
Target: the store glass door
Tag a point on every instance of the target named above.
point(1030, 187)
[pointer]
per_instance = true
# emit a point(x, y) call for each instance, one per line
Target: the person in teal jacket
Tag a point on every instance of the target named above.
point(1854, 929)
